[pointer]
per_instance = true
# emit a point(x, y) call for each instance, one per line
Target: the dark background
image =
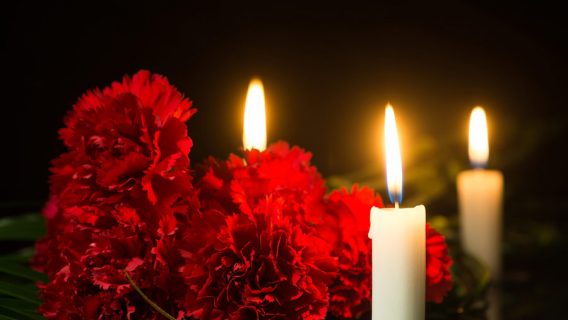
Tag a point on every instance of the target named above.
point(328, 71)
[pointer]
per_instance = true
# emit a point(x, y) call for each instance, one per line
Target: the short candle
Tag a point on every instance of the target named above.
point(480, 193)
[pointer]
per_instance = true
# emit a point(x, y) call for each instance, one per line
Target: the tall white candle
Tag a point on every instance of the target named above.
point(480, 193)
point(399, 244)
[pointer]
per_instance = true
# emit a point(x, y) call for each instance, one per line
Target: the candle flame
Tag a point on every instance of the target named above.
point(393, 158)
point(478, 141)
point(254, 133)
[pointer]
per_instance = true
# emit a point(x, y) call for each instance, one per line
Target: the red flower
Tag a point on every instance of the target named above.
point(438, 263)
point(239, 184)
point(261, 266)
point(349, 216)
point(253, 251)
point(126, 137)
point(86, 259)
point(119, 197)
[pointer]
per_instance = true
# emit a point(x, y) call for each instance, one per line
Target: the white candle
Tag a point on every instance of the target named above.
point(254, 131)
point(480, 195)
point(399, 245)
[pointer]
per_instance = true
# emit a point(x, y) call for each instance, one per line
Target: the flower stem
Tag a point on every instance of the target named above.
point(150, 302)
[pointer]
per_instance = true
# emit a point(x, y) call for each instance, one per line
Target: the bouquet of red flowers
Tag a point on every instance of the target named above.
point(134, 232)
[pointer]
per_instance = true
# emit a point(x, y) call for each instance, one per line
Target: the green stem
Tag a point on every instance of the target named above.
point(150, 302)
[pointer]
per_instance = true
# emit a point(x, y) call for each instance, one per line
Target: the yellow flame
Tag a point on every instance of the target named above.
point(478, 141)
point(254, 133)
point(393, 158)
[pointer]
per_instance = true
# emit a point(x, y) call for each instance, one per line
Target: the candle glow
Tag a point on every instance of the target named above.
point(393, 158)
point(478, 140)
point(254, 133)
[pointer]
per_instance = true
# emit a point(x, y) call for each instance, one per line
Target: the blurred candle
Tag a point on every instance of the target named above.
point(399, 244)
point(254, 132)
point(480, 193)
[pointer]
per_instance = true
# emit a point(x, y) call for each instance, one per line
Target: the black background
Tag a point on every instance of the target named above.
point(328, 68)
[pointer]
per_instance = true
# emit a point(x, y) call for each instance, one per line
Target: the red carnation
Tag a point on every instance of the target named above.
point(87, 259)
point(253, 250)
point(351, 291)
point(128, 137)
point(256, 266)
point(119, 197)
point(241, 183)
point(438, 263)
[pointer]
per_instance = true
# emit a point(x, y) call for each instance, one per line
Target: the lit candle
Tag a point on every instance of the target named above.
point(480, 193)
point(399, 244)
point(254, 132)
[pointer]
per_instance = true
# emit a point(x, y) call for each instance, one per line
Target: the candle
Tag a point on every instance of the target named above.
point(480, 194)
point(254, 132)
point(399, 244)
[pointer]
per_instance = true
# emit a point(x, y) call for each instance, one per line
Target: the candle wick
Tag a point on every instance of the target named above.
point(396, 205)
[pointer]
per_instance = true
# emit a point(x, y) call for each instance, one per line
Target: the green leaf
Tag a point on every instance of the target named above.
point(25, 292)
point(28, 227)
point(20, 307)
point(22, 271)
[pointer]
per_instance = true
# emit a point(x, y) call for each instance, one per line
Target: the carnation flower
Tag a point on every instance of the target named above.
point(438, 263)
point(239, 184)
point(253, 250)
point(349, 214)
point(126, 137)
point(257, 266)
point(87, 261)
point(118, 198)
